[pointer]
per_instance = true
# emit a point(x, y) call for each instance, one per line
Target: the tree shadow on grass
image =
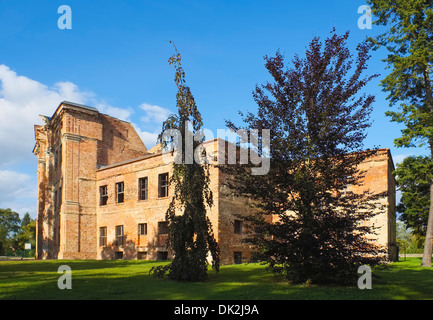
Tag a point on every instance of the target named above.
point(113, 280)
point(406, 280)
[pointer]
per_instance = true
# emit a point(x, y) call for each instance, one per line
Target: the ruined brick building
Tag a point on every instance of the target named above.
point(102, 195)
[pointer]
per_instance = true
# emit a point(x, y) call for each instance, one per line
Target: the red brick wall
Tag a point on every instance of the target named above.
point(88, 140)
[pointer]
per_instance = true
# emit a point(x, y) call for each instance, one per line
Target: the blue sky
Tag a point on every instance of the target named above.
point(115, 58)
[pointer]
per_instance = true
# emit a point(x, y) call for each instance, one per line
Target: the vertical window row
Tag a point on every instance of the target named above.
point(119, 236)
point(103, 236)
point(119, 192)
point(142, 188)
point(103, 195)
point(142, 229)
point(163, 185)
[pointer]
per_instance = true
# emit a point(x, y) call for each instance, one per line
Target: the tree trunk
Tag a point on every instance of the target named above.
point(428, 245)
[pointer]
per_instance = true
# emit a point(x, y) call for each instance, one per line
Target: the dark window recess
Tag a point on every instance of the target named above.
point(141, 255)
point(103, 236)
point(162, 255)
point(119, 192)
point(163, 227)
point(60, 197)
point(163, 185)
point(142, 189)
point(56, 158)
point(238, 226)
point(119, 236)
point(237, 257)
point(55, 201)
point(119, 255)
point(142, 229)
point(103, 195)
point(60, 156)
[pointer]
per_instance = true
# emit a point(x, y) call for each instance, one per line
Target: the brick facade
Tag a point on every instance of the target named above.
point(93, 205)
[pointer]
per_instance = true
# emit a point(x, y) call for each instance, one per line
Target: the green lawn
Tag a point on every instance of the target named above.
point(117, 279)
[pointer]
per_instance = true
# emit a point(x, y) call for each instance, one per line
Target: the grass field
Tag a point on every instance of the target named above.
point(118, 279)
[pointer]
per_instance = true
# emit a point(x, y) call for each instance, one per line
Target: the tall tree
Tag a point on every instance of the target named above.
point(409, 41)
point(190, 231)
point(413, 177)
point(308, 227)
point(9, 226)
point(27, 232)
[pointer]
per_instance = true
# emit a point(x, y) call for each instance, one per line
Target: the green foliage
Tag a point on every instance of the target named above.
point(409, 41)
point(317, 116)
point(407, 241)
point(9, 226)
point(413, 177)
point(190, 231)
point(14, 232)
point(27, 232)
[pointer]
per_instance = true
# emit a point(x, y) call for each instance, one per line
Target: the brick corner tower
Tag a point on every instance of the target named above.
point(70, 147)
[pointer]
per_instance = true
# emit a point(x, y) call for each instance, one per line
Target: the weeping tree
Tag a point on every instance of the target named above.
point(190, 231)
point(309, 226)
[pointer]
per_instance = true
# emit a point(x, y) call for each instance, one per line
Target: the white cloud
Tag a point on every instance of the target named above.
point(148, 138)
point(119, 113)
point(71, 91)
point(152, 119)
point(16, 184)
point(154, 113)
point(18, 192)
point(22, 100)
